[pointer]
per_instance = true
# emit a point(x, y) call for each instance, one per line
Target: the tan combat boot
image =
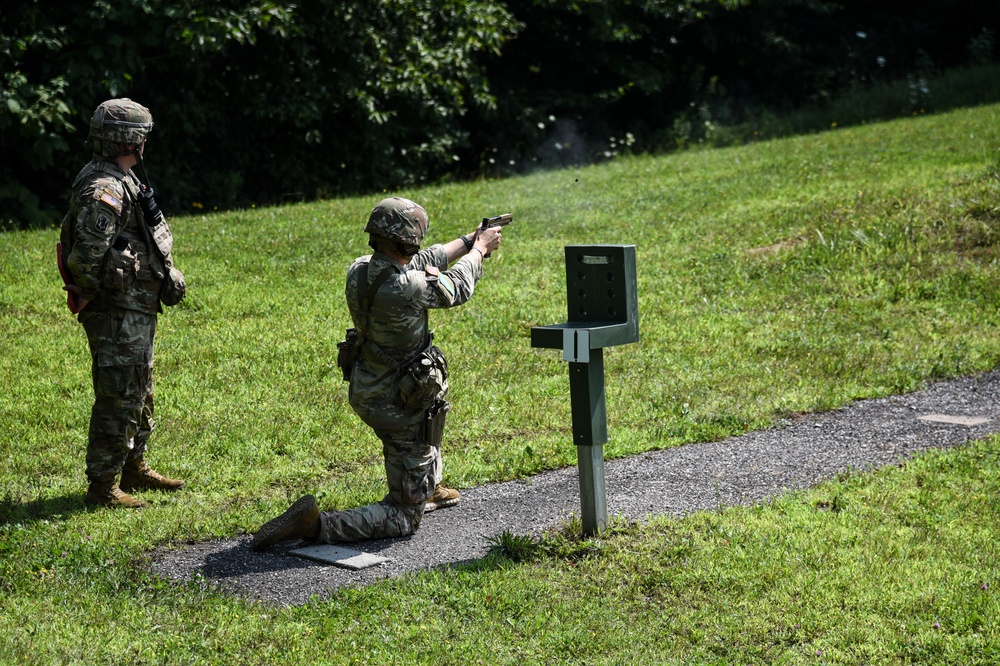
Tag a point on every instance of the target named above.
point(138, 475)
point(442, 498)
point(299, 521)
point(107, 493)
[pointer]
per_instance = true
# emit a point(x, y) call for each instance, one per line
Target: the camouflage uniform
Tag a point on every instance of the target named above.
point(111, 258)
point(396, 331)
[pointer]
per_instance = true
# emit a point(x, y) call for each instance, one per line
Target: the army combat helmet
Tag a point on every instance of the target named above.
point(400, 221)
point(116, 123)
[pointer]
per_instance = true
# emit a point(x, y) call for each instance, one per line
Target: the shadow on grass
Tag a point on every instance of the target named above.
point(48, 508)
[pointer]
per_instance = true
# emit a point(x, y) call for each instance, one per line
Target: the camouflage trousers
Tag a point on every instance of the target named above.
point(121, 419)
point(413, 469)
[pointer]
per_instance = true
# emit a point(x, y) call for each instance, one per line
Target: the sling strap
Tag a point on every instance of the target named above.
point(365, 299)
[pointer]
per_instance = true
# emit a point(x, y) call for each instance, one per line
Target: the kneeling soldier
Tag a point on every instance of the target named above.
point(398, 379)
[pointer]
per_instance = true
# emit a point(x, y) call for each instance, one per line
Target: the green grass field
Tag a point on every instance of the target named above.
point(787, 276)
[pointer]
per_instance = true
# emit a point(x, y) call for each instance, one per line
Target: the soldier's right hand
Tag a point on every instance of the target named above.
point(488, 240)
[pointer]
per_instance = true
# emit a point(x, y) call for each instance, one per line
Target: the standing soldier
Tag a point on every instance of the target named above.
point(400, 379)
point(118, 270)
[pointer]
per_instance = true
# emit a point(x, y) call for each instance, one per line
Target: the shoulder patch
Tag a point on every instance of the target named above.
point(446, 287)
point(103, 222)
point(432, 272)
point(108, 197)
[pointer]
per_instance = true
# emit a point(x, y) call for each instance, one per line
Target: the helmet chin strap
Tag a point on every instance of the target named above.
point(405, 249)
point(399, 247)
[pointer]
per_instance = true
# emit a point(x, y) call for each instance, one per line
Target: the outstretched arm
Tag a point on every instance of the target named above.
point(484, 240)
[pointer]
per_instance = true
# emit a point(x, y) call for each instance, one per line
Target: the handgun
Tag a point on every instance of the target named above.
point(496, 221)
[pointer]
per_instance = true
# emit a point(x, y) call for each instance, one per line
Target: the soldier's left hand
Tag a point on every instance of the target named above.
point(74, 289)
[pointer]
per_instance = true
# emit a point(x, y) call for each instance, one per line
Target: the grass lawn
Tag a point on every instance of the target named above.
point(779, 277)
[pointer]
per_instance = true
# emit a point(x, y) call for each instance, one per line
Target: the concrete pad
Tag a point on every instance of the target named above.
point(339, 556)
point(954, 420)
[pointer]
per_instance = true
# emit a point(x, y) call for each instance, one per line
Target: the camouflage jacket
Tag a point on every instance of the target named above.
point(395, 328)
point(109, 251)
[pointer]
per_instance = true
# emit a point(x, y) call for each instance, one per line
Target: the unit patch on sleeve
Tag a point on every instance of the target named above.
point(446, 287)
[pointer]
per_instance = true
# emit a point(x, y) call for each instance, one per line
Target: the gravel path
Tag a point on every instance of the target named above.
point(740, 470)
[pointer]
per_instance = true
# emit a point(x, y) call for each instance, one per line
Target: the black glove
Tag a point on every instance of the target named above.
point(151, 212)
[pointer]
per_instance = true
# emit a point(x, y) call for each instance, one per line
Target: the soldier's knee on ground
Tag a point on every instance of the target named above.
point(414, 513)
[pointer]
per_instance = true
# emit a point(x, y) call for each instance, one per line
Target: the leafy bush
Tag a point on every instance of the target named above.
point(269, 101)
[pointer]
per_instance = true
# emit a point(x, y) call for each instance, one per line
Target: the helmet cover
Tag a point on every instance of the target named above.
point(116, 123)
point(399, 220)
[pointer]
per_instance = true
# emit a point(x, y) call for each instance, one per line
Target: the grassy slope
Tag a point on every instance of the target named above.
point(774, 278)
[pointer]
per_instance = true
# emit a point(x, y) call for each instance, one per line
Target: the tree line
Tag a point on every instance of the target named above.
point(270, 101)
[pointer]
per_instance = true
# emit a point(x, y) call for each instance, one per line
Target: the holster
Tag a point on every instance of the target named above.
point(434, 422)
point(347, 352)
point(424, 380)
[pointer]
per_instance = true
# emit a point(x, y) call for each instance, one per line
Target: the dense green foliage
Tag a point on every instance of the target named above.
point(269, 101)
point(774, 278)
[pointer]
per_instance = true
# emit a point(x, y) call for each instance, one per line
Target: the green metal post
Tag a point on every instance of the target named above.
point(590, 432)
